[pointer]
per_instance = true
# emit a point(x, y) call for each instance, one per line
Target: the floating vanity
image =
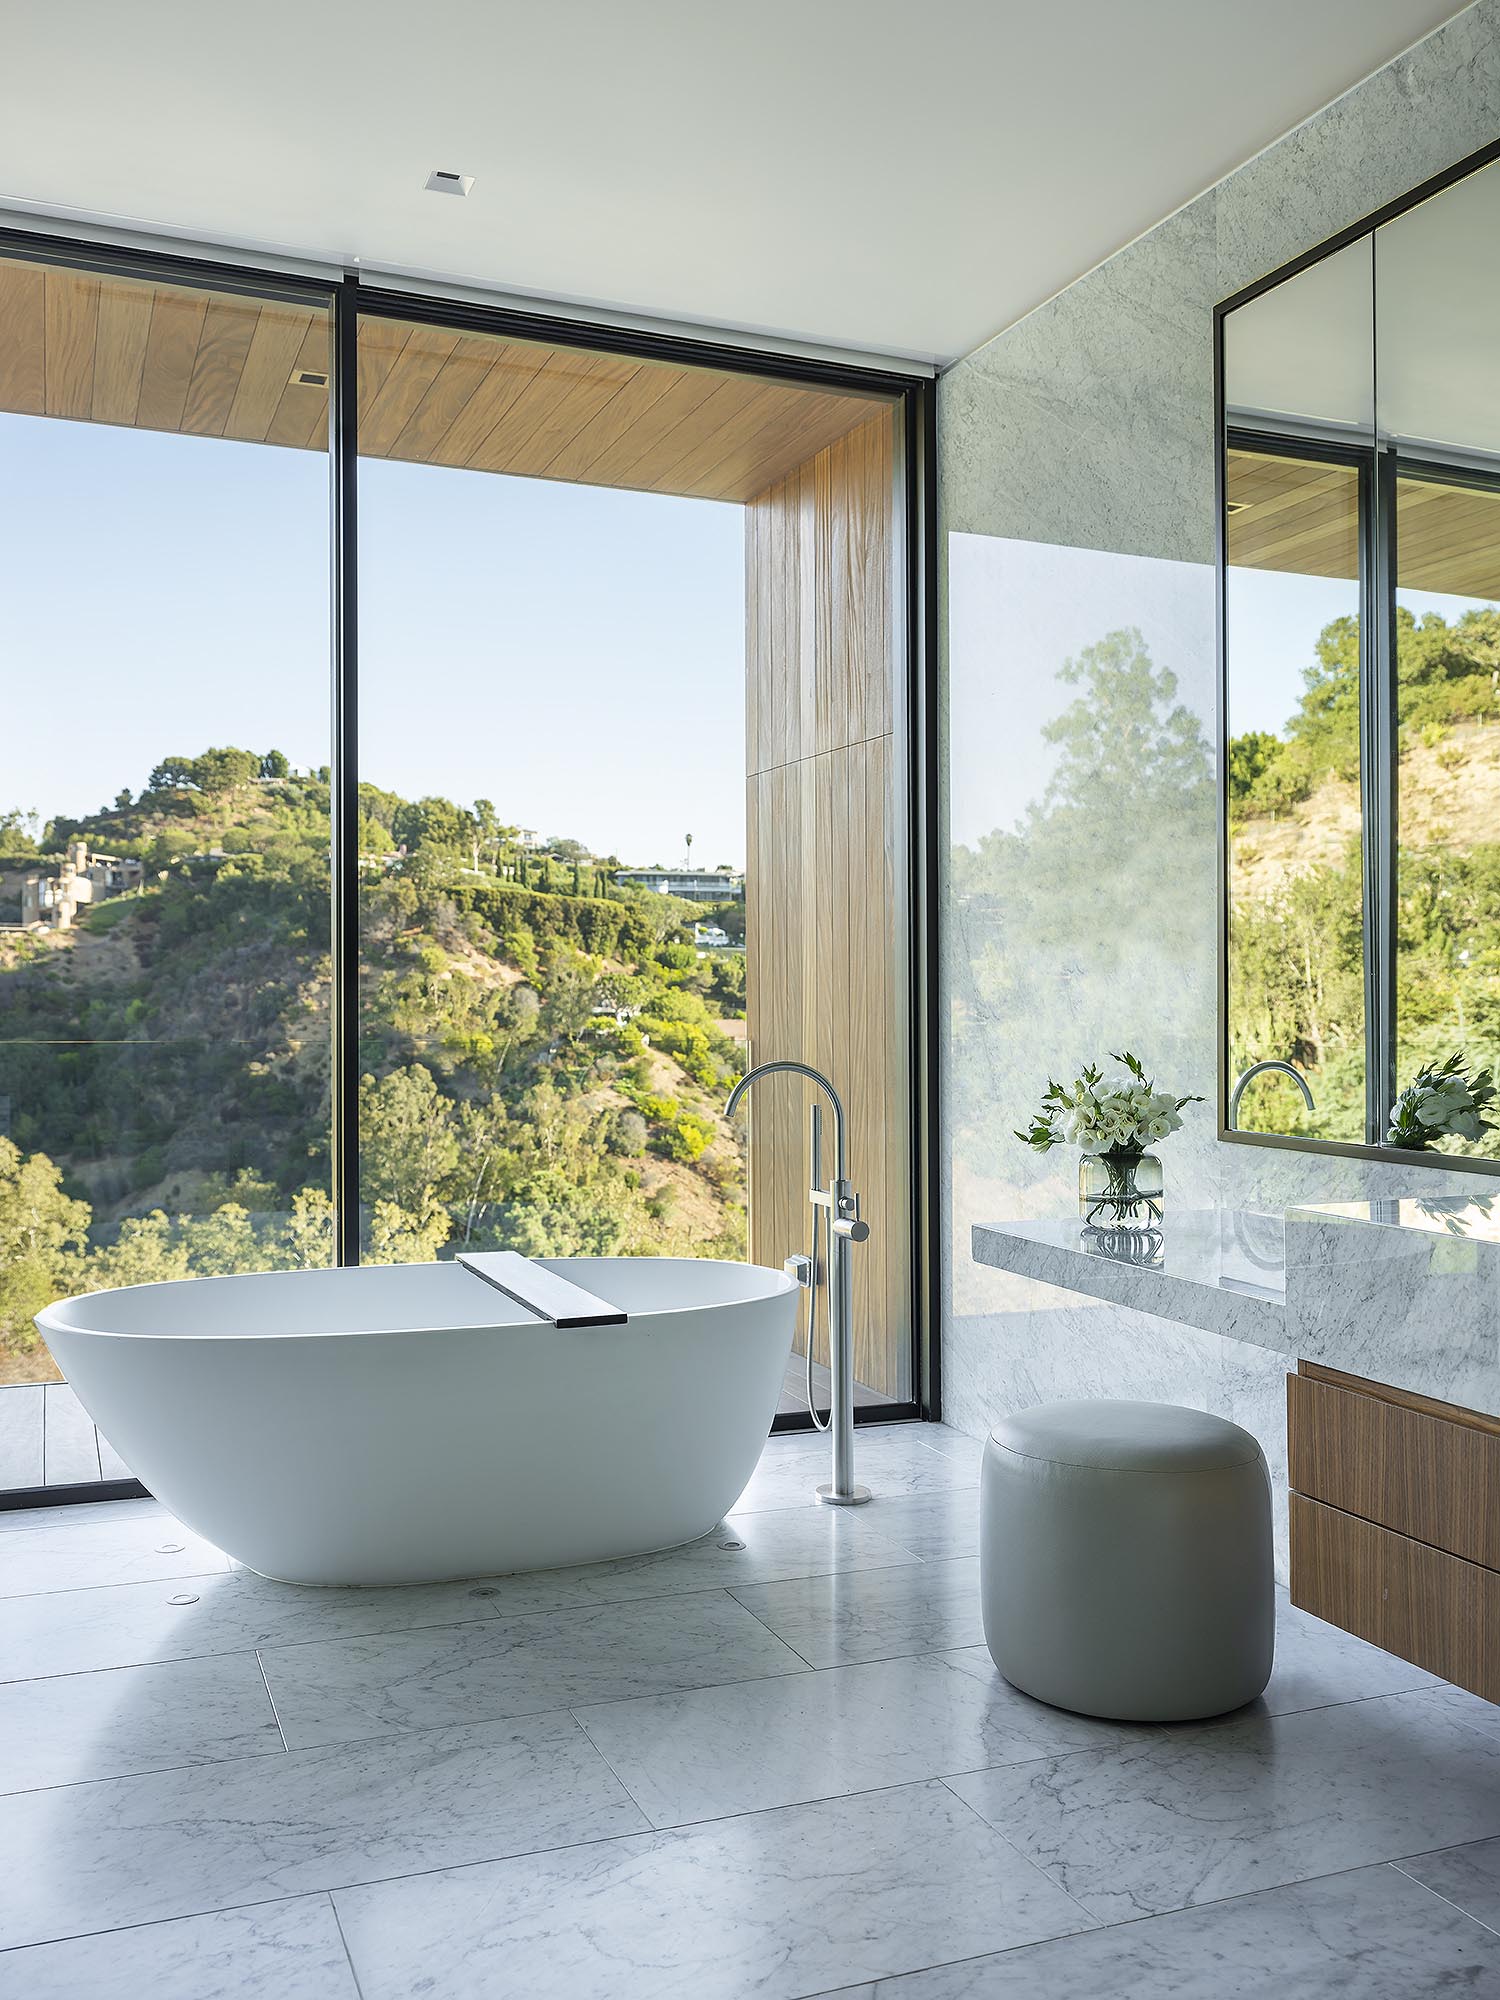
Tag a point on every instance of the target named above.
point(1389, 1312)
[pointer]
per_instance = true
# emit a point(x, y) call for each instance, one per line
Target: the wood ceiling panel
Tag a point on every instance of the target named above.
point(168, 359)
point(72, 323)
point(279, 337)
point(124, 327)
point(23, 339)
point(302, 412)
point(510, 372)
point(171, 350)
point(693, 407)
point(454, 386)
point(412, 374)
point(539, 421)
point(223, 346)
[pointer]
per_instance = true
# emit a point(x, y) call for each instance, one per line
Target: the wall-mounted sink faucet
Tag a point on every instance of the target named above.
point(1260, 1069)
point(844, 1227)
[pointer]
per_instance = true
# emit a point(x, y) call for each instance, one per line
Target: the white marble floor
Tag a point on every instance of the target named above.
point(776, 1763)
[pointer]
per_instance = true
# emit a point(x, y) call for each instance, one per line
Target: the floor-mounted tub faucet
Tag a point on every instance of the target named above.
point(1259, 1069)
point(844, 1227)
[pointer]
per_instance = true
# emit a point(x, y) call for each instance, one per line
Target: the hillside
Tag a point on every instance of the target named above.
point(542, 1057)
point(1296, 959)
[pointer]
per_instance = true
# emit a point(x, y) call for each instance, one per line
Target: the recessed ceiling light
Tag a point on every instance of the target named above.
point(309, 378)
point(439, 182)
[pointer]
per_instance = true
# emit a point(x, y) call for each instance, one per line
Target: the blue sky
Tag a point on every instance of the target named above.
point(575, 654)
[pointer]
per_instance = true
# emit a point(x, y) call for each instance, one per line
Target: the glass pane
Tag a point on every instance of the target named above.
point(1448, 793)
point(1296, 962)
point(564, 556)
point(164, 827)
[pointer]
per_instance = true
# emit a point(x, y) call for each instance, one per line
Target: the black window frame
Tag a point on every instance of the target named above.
point(349, 299)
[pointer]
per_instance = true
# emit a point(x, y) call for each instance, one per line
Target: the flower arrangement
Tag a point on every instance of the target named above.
point(1122, 1119)
point(1119, 1182)
point(1442, 1099)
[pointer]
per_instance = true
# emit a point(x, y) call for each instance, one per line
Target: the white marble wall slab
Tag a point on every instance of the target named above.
point(1076, 456)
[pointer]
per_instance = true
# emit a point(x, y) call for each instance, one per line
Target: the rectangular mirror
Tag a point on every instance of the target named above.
point(1360, 682)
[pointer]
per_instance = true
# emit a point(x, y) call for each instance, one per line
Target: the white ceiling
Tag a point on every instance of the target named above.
point(870, 173)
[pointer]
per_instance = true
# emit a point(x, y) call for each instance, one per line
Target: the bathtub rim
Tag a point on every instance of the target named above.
point(47, 1320)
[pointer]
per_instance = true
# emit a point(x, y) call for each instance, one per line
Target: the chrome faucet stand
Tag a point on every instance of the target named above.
point(840, 1204)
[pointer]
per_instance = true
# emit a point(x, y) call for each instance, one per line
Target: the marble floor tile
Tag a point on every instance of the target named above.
point(723, 1750)
point(888, 1459)
point(64, 1552)
point(953, 1444)
point(80, 1631)
point(290, 1950)
point(432, 1679)
point(108, 1725)
point(1192, 1816)
point(937, 1527)
point(83, 1858)
point(1361, 1936)
point(1468, 1876)
point(776, 1545)
point(775, 1904)
point(875, 1614)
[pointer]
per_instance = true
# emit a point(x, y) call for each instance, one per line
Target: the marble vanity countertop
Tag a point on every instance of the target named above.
point(1220, 1269)
point(1404, 1291)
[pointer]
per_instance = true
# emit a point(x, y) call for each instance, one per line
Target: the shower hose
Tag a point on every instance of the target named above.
point(812, 1322)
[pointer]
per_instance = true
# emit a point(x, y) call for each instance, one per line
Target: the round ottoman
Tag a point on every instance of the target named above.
point(1125, 1560)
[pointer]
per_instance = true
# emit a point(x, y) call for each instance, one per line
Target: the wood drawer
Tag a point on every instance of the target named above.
point(1434, 1478)
point(1433, 1609)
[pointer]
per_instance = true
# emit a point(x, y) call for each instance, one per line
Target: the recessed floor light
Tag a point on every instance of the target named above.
point(441, 182)
point(310, 378)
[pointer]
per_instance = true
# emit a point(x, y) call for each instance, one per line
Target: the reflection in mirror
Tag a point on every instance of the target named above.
point(1296, 963)
point(1361, 593)
point(1438, 308)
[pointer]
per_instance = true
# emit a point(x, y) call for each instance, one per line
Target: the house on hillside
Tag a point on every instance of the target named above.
point(694, 885)
point(51, 902)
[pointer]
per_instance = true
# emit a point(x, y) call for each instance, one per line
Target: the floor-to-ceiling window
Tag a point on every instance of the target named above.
point(629, 658)
point(164, 805)
point(631, 816)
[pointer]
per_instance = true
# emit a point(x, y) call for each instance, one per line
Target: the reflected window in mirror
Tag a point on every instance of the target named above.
point(1296, 989)
point(1360, 572)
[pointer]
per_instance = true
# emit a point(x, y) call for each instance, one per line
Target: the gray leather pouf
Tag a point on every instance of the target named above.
point(1125, 1560)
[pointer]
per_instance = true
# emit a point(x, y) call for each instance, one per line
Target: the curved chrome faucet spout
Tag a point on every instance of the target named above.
point(813, 1076)
point(1260, 1069)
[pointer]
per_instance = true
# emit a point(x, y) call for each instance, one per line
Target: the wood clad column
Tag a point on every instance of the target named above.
point(826, 963)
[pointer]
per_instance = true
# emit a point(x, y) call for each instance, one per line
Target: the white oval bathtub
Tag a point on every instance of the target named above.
point(406, 1423)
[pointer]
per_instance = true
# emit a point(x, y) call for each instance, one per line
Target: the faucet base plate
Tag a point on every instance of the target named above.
point(857, 1498)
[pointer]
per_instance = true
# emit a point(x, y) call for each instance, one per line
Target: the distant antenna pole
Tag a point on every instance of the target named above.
point(688, 864)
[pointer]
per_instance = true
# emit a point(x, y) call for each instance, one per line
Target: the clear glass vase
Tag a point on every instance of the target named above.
point(1120, 1190)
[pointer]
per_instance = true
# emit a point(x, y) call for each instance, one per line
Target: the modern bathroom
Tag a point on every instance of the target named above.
point(750, 1003)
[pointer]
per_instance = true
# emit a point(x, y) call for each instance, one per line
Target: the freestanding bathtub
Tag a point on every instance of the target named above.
point(406, 1423)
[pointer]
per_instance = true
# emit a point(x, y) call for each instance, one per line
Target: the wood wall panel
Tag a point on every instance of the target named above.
point(826, 963)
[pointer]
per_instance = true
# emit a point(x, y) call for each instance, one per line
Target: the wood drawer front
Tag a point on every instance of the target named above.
point(1424, 1476)
point(1427, 1607)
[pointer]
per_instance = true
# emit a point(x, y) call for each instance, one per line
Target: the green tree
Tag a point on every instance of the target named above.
point(43, 1239)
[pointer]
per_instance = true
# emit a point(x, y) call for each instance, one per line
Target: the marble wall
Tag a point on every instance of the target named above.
point(1080, 884)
